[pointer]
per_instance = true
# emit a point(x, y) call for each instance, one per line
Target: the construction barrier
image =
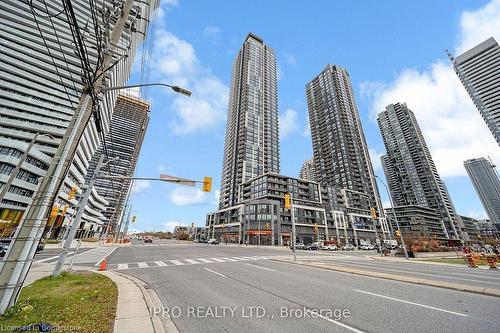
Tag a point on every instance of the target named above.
point(492, 261)
point(470, 261)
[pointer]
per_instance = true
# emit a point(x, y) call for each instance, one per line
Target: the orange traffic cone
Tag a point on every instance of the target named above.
point(104, 265)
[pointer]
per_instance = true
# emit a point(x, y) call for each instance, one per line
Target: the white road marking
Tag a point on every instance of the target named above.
point(176, 262)
point(239, 258)
point(191, 261)
point(412, 303)
point(214, 272)
point(54, 257)
point(122, 266)
point(350, 328)
point(206, 261)
point(229, 259)
point(251, 258)
point(218, 259)
point(267, 269)
point(160, 263)
point(142, 265)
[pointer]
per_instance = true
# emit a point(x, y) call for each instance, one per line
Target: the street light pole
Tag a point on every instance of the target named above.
point(395, 217)
point(292, 215)
point(177, 89)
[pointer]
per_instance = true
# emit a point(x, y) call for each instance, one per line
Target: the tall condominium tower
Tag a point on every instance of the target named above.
point(341, 156)
point(410, 171)
point(479, 71)
point(40, 87)
point(251, 144)
point(308, 172)
point(487, 184)
point(124, 140)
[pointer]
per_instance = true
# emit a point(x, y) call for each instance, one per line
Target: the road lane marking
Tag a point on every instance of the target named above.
point(267, 269)
point(142, 265)
point(122, 266)
point(217, 259)
point(350, 328)
point(239, 258)
point(54, 257)
point(208, 269)
point(229, 259)
point(412, 303)
point(160, 263)
point(191, 261)
point(206, 261)
point(177, 262)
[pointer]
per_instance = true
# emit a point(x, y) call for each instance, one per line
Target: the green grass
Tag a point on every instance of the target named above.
point(52, 241)
point(459, 261)
point(84, 302)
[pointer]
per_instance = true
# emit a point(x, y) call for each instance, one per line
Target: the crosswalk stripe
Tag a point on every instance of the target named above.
point(142, 264)
point(160, 263)
point(218, 259)
point(191, 261)
point(239, 258)
point(176, 262)
point(229, 259)
point(251, 258)
point(206, 260)
point(122, 266)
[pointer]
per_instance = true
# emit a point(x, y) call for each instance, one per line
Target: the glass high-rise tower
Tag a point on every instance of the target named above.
point(487, 184)
point(411, 174)
point(252, 142)
point(479, 71)
point(341, 156)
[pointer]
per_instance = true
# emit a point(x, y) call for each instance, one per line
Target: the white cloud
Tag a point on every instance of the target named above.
point(307, 129)
point(188, 197)
point(176, 63)
point(451, 124)
point(289, 123)
point(481, 215)
point(290, 59)
point(211, 32)
point(376, 162)
point(171, 3)
point(215, 201)
point(479, 25)
point(140, 185)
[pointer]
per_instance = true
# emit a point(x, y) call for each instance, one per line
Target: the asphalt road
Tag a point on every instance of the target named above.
point(210, 288)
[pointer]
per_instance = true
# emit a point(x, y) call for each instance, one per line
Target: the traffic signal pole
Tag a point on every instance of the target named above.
point(76, 221)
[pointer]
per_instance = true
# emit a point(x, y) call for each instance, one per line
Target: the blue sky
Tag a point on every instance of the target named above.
point(393, 50)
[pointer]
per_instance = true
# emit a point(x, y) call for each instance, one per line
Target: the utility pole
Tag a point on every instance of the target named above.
point(292, 215)
point(76, 221)
point(18, 259)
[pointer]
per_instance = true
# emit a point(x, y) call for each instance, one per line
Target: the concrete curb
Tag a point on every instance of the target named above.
point(446, 285)
point(423, 261)
point(160, 324)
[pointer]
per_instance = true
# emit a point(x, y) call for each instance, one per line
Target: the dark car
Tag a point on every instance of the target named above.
point(3, 250)
point(203, 241)
point(5, 243)
point(148, 240)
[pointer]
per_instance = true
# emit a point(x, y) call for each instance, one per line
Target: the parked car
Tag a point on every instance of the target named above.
point(331, 247)
point(148, 240)
point(213, 241)
point(203, 240)
point(367, 247)
point(313, 246)
point(348, 247)
point(298, 246)
point(3, 250)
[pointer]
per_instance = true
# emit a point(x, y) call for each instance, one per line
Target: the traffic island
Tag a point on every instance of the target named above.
point(394, 277)
point(79, 302)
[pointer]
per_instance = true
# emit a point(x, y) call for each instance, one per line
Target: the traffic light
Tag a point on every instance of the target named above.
point(315, 226)
point(207, 184)
point(134, 218)
point(65, 209)
point(288, 203)
point(373, 213)
point(72, 193)
point(398, 233)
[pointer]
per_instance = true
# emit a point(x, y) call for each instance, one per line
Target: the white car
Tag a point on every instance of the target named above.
point(367, 247)
point(331, 247)
point(213, 241)
point(348, 247)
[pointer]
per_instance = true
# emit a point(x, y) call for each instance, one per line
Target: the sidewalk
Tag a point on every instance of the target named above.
point(134, 300)
point(423, 261)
